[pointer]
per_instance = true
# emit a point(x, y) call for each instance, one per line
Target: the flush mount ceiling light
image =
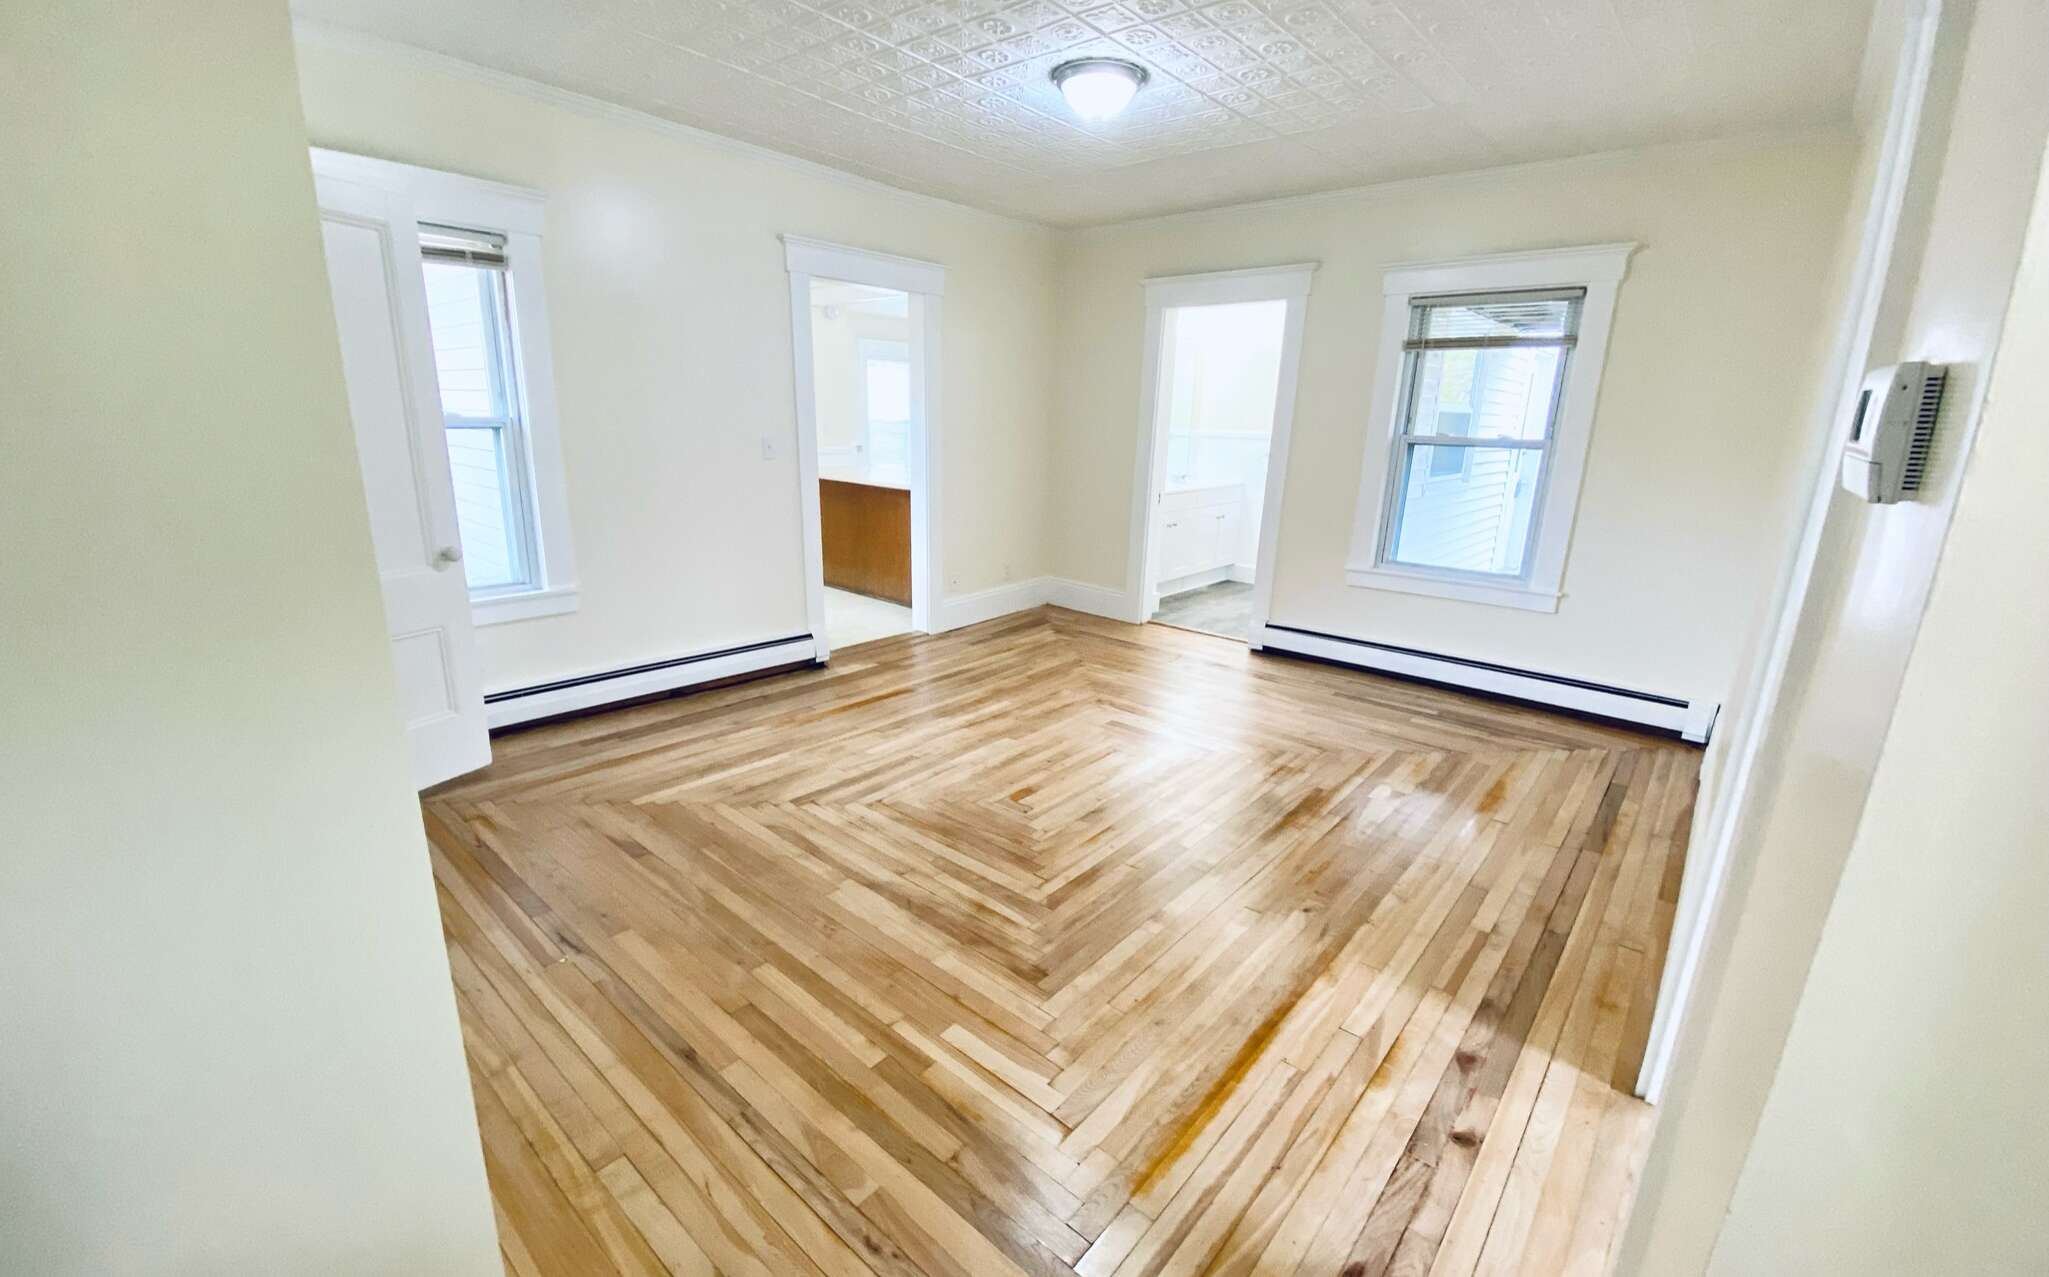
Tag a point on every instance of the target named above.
point(1098, 88)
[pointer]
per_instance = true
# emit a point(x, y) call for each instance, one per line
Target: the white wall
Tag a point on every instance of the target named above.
point(228, 1040)
point(1685, 505)
point(1945, 297)
point(1905, 1130)
point(670, 307)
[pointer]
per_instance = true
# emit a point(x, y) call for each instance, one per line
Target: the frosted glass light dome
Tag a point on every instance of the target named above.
point(1098, 88)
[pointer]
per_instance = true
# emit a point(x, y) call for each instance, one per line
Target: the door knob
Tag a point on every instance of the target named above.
point(446, 556)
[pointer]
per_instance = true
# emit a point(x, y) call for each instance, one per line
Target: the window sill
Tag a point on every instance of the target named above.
point(496, 609)
point(1527, 598)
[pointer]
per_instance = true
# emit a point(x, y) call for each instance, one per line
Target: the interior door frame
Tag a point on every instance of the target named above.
point(1721, 814)
point(925, 282)
point(1290, 283)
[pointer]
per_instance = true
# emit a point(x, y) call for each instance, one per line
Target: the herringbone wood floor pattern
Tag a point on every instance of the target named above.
point(1057, 945)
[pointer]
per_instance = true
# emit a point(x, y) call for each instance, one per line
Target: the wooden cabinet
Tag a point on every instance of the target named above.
point(866, 531)
point(1197, 530)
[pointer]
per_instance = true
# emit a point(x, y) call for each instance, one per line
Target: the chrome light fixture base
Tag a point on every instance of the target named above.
point(1098, 88)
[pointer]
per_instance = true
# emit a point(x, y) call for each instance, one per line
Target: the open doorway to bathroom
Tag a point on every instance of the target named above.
point(1223, 354)
point(1219, 369)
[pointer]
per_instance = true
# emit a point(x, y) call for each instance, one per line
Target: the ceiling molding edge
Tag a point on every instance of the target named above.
point(325, 35)
point(1393, 187)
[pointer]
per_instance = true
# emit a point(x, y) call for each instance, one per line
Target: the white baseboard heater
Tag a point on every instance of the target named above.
point(1689, 720)
point(609, 687)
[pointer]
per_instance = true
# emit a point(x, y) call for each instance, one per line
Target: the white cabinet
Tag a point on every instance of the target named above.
point(1196, 531)
point(1181, 549)
point(1227, 520)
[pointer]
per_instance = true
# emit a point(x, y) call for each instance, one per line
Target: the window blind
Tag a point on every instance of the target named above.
point(1475, 321)
point(454, 244)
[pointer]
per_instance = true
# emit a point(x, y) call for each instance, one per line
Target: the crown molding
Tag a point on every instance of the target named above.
point(322, 35)
point(1403, 186)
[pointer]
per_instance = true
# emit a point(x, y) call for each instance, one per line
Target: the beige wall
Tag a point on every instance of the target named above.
point(228, 1041)
point(1945, 299)
point(670, 308)
point(1685, 506)
point(1905, 1131)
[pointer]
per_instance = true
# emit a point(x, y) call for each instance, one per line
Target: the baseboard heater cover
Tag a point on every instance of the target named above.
point(607, 687)
point(1690, 720)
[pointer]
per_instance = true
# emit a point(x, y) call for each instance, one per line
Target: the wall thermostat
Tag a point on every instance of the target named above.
point(1886, 454)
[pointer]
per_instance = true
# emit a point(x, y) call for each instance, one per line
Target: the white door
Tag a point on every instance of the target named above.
point(380, 312)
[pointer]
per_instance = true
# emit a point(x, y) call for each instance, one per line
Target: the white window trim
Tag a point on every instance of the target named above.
point(516, 213)
point(1597, 268)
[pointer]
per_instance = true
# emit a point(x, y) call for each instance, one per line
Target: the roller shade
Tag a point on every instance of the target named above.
point(453, 244)
point(1549, 317)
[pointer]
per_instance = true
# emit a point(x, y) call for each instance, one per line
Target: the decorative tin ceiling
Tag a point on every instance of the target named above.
point(1248, 98)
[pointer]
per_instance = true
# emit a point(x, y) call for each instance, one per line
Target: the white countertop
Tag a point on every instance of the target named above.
point(871, 476)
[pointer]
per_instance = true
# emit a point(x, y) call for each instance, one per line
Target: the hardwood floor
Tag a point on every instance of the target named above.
point(1061, 946)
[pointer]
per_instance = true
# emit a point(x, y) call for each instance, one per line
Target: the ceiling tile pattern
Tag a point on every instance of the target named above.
point(952, 97)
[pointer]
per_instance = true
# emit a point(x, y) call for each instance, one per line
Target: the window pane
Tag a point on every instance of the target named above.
point(1502, 393)
point(1470, 513)
point(889, 445)
point(476, 462)
point(473, 361)
point(889, 391)
point(467, 319)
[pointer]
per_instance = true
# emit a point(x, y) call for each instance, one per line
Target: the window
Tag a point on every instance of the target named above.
point(1481, 377)
point(1487, 377)
point(886, 376)
point(469, 314)
point(487, 320)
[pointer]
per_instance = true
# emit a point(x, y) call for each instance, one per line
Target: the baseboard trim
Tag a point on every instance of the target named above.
point(986, 605)
point(1096, 600)
point(517, 705)
point(1690, 720)
point(1022, 596)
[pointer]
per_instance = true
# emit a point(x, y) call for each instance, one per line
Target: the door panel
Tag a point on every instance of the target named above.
point(1229, 530)
point(1183, 534)
point(380, 312)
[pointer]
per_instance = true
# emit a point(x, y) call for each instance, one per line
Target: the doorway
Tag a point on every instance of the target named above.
point(866, 346)
point(1222, 351)
point(861, 386)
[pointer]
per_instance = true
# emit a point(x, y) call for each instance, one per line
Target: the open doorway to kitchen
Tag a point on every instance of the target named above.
point(861, 385)
point(1222, 351)
point(866, 329)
